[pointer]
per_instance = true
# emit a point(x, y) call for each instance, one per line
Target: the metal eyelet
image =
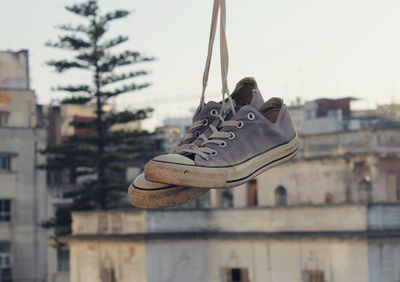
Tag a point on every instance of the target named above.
point(196, 134)
point(240, 124)
point(214, 112)
point(214, 153)
point(231, 135)
point(205, 122)
point(251, 116)
point(223, 144)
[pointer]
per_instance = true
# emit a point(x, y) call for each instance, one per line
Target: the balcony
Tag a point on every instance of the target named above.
point(345, 218)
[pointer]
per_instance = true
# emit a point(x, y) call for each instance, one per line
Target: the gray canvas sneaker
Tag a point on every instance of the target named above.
point(152, 195)
point(236, 151)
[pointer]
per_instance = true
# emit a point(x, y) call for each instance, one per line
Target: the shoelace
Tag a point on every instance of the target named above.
point(195, 125)
point(219, 6)
point(203, 151)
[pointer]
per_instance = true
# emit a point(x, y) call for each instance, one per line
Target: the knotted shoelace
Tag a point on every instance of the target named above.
point(215, 138)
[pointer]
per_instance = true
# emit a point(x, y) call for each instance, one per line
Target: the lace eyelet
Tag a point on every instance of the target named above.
point(196, 134)
point(231, 135)
point(240, 124)
point(251, 116)
point(223, 144)
point(205, 122)
point(214, 153)
point(214, 112)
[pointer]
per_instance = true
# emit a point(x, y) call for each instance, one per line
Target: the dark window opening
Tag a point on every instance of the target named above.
point(280, 196)
point(63, 259)
point(108, 275)
point(314, 276)
point(5, 210)
point(6, 275)
point(237, 275)
point(5, 163)
point(227, 198)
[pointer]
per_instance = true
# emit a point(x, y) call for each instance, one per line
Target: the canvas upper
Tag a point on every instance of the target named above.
point(250, 131)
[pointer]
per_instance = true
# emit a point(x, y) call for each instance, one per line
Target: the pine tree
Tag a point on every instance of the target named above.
point(105, 153)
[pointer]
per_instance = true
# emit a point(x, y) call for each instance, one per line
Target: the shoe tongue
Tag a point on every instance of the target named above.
point(257, 100)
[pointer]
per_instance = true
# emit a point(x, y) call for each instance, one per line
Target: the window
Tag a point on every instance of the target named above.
point(5, 210)
point(365, 190)
point(329, 198)
point(63, 259)
point(5, 256)
point(280, 196)
point(314, 276)
point(107, 275)
point(116, 223)
point(5, 163)
point(6, 275)
point(3, 118)
point(227, 198)
point(252, 193)
point(102, 222)
point(236, 275)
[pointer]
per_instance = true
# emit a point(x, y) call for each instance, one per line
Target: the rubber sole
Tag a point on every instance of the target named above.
point(165, 197)
point(220, 177)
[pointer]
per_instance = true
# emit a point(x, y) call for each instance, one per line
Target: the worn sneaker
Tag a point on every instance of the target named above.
point(236, 151)
point(151, 195)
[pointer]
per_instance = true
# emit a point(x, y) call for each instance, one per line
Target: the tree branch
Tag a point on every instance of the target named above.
point(88, 8)
point(76, 100)
point(79, 88)
point(114, 42)
point(119, 77)
point(124, 89)
point(64, 65)
point(114, 15)
point(69, 42)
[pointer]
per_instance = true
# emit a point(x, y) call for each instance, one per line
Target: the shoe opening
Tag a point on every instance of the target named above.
point(270, 109)
point(243, 93)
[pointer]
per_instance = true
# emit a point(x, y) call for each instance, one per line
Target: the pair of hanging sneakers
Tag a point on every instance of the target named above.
point(220, 150)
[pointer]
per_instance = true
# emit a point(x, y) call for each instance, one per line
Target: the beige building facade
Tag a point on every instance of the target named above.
point(248, 244)
point(24, 204)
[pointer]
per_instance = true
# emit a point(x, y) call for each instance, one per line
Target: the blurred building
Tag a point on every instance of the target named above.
point(24, 203)
point(182, 122)
point(335, 115)
point(301, 243)
point(167, 137)
point(61, 116)
point(331, 214)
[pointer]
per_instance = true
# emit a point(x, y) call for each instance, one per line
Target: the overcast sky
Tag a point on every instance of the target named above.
point(294, 48)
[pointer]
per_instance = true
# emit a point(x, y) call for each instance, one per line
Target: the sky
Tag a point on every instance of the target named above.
point(307, 49)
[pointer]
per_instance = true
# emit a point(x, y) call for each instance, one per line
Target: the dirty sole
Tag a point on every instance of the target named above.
point(221, 176)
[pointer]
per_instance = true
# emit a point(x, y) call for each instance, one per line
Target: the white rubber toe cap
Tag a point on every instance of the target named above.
point(141, 183)
point(174, 158)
